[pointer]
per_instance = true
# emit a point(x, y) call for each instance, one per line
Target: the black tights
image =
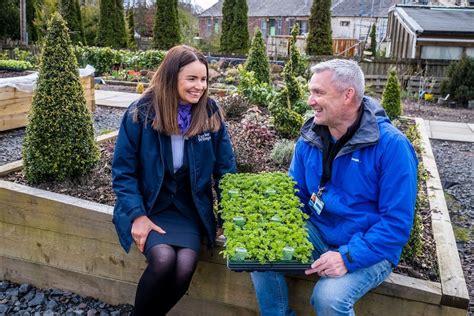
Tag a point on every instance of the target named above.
point(165, 280)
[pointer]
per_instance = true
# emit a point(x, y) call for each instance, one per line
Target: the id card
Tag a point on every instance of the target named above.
point(316, 203)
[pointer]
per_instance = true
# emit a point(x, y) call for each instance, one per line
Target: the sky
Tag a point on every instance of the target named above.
point(205, 4)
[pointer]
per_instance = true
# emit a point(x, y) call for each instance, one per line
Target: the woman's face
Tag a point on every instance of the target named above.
point(192, 82)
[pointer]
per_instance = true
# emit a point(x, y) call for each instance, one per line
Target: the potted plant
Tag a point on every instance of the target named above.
point(262, 215)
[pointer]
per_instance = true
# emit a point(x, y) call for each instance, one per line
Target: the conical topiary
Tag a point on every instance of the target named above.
point(111, 25)
point(258, 60)
point(59, 140)
point(373, 41)
point(391, 96)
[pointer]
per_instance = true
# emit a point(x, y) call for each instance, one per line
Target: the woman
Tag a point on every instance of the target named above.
point(171, 143)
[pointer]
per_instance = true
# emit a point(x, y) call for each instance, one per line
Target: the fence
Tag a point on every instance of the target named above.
point(411, 84)
point(278, 46)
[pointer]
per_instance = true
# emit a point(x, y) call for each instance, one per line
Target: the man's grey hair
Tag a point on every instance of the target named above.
point(345, 74)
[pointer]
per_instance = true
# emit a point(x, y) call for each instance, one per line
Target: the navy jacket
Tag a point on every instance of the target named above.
point(370, 199)
point(138, 169)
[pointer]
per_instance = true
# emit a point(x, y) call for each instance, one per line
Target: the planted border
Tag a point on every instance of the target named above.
point(53, 240)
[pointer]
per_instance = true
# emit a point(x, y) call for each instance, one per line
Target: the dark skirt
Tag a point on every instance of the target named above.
point(181, 231)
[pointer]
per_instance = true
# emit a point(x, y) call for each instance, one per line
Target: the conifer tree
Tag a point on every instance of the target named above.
point(391, 96)
point(112, 25)
point(258, 61)
point(71, 12)
point(131, 30)
point(235, 33)
point(319, 40)
point(166, 32)
point(298, 64)
point(373, 41)
point(59, 140)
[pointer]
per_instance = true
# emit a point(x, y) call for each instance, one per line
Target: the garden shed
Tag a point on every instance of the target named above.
point(425, 32)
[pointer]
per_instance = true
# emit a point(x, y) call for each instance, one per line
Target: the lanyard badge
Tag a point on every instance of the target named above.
point(315, 202)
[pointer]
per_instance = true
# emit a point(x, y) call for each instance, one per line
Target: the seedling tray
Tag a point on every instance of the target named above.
point(279, 266)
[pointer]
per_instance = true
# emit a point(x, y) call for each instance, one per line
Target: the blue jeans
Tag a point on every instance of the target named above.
point(331, 296)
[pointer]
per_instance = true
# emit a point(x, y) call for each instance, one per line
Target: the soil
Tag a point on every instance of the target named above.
point(430, 111)
point(11, 74)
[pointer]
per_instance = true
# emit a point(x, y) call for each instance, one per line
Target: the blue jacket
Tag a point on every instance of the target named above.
point(370, 198)
point(138, 169)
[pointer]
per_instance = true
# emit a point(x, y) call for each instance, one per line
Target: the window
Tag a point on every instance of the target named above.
point(216, 25)
point(279, 25)
point(441, 52)
point(303, 27)
point(209, 26)
point(345, 23)
point(263, 27)
point(291, 22)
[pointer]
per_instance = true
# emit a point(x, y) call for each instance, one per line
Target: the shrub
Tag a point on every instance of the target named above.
point(286, 121)
point(258, 60)
point(373, 41)
point(16, 65)
point(256, 92)
point(235, 33)
point(298, 63)
point(460, 83)
point(111, 25)
point(234, 106)
point(319, 40)
point(282, 152)
point(256, 128)
point(71, 12)
point(105, 59)
point(59, 140)
point(131, 30)
point(391, 96)
point(166, 33)
point(414, 247)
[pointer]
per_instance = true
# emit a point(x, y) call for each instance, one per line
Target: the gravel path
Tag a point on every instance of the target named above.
point(454, 160)
point(106, 119)
point(455, 167)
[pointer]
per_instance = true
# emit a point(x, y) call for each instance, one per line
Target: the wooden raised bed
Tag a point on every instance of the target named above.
point(53, 240)
point(15, 104)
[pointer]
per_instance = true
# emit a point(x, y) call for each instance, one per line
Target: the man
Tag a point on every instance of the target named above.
point(356, 176)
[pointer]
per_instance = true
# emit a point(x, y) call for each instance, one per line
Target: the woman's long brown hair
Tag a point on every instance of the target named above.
point(163, 90)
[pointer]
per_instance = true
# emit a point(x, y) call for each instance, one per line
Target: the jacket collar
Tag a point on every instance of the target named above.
point(367, 134)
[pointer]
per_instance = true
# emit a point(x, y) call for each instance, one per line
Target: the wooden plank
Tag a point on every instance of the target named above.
point(70, 252)
point(44, 276)
point(12, 121)
point(454, 287)
point(15, 106)
point(7, 93)
point(11, 167)
point(189, 306)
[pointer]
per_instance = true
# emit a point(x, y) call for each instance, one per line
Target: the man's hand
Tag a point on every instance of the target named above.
point(330, 264)
point(219, 231)
point(141, 227)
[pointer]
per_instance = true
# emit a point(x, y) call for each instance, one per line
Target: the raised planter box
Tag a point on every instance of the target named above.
point(15, 104)
point(53, 240)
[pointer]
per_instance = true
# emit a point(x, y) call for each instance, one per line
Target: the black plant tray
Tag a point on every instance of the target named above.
point(280, 266)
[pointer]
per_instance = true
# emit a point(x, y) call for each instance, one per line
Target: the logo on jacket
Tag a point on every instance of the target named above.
point(355, 159)
point(204, 137)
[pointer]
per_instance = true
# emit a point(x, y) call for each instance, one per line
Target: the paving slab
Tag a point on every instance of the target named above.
point(452, 131)
point(115, 98)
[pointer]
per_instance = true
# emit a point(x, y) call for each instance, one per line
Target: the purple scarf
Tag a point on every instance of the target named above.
point(184, 117)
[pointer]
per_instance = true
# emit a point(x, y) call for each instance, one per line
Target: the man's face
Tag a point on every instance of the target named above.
point(325, 100)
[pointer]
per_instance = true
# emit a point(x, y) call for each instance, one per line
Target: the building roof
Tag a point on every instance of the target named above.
point(302, 8)
point(437, 20)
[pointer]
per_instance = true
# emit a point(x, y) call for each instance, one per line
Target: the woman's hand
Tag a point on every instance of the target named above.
point(141, 227)
point(219, 231)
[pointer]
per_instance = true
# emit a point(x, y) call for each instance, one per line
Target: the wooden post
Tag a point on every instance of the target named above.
point(23, 32)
